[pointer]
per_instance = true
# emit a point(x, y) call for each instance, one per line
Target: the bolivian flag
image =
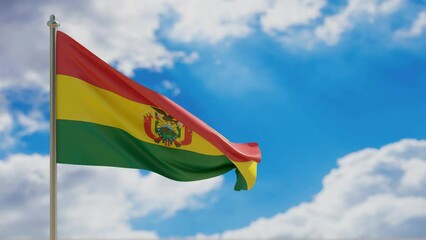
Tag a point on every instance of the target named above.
point(106, 119)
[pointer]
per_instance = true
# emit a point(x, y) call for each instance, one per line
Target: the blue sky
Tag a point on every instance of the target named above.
point(329, 90)
point(314, 108)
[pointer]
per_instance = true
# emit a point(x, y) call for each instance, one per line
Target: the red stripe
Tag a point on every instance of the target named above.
point(77, 61)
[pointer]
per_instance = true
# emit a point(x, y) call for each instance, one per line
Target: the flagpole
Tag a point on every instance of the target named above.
point(53, 24)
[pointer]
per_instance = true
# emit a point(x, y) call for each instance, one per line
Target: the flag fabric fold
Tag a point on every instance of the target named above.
point(106, 119)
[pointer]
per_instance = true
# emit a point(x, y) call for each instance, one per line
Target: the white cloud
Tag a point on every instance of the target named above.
point(214, 20)
point(15, 124)
point(172, 87)
point(285, 14)
point(289, 21)
point(373, 193)
point(6, 125)
point(24, 47)
point(94, 202)
point(191, 58)
point(32, 122)
point(124, 33)
point(416, 29)
point(357, 10)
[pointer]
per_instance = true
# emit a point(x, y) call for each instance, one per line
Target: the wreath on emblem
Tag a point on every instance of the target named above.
point(167, 130)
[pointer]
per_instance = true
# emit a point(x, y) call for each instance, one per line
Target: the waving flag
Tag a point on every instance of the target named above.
point(106, 119)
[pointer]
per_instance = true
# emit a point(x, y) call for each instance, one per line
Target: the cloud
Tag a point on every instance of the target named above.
point(357, 10)
point(94, 202)
point(214, 20)
point(191, 58)
point(373, 193)
point(6, 125)
point(416, 29)
point(290, 22)
point(121, 33)
point(32, 122)
point(15, 124)
point(171, 87)
point(124, 33)
point(24, 48)
point(285, 14)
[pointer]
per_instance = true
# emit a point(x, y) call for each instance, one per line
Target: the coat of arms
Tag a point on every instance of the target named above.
point(167, 130)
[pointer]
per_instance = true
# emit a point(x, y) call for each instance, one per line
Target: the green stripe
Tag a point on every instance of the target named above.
point(86, 143)
point(241, 183)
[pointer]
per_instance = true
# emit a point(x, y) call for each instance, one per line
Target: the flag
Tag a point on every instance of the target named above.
point(106, 119)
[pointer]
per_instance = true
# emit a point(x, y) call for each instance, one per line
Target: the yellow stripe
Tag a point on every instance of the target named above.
point(81, 101)
point(249, 172)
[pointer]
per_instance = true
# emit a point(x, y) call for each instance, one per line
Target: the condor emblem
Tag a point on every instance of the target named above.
point(165, 129)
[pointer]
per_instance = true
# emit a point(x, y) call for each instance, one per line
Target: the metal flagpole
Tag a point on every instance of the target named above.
point(53, 24)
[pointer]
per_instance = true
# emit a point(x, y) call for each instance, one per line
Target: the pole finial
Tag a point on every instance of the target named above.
point(53, 23)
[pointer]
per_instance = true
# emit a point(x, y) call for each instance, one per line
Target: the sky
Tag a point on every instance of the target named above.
point(333, 92)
